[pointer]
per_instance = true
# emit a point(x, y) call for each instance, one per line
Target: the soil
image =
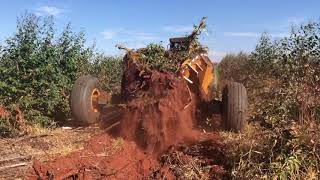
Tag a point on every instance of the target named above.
point(18, 153)
point(161, 110)
point(105, 157)
point(102, 158)
point(157, 137)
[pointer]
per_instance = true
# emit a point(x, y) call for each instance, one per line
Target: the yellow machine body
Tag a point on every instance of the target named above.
point(199, 71)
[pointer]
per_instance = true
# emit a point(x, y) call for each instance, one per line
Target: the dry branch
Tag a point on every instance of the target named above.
point(29, 137)
point(13, 166)
point(21, 158)
point(121, 47)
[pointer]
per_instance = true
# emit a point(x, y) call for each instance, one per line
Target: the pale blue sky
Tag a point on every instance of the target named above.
point(233, 26)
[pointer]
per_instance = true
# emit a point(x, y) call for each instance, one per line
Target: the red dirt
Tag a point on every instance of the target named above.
point(160, 109)
point(102, 158)
point(106, 158)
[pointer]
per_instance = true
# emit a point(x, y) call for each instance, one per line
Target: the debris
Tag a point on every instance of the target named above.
point(20, 118)
point(13, 166)
point(4, 114)
point(29, 137)
point(66, 128)
point(112, 126)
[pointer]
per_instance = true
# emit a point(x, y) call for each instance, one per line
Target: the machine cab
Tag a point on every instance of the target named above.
point(179, 43)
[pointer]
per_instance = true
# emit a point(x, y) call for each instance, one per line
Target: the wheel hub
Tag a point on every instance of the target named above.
point(94, 100)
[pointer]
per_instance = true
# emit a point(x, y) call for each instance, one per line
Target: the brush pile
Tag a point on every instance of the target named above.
point(156, 57)
point(201, 160)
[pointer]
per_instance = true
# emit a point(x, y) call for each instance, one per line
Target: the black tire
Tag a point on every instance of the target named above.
point(234, 106)
point(81, 102)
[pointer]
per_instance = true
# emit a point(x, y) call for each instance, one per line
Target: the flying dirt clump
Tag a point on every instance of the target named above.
point(160, 109)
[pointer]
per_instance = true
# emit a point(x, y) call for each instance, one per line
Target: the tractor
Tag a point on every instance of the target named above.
point(87, 99)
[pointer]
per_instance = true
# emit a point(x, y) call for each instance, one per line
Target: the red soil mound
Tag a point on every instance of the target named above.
point(102, 158)
point(107, 158)
point(160, 109)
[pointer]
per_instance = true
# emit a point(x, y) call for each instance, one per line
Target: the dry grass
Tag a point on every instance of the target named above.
point(116, 146)
point(46, 143)
point(186, 167)
point(260, 153)
point(42, 144)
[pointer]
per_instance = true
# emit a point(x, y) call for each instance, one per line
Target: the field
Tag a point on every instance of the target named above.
point(161, 127)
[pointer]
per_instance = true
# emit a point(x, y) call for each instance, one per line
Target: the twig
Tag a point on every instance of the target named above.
point(13, 166)
point(113, 125)
point(37, 172)
point(119, 46)
point(190, 98)
point(118, 170)
point(196, 31)
point(197, 170)
point(15, 158)
point(178, 157)
point(70, 173)
point(30, 137)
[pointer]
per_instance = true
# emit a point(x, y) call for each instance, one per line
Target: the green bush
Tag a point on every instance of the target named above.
point(294, 63)
point(109, 72)
point(38, 68)
point(282, 77)
point(283, 87)
point(155, 56)
point(234, 67)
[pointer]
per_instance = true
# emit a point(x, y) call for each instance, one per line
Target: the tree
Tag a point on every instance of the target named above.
point(264, 55)
point(38, 69)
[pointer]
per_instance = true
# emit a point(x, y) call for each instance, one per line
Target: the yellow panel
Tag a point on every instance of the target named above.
point(202, 66)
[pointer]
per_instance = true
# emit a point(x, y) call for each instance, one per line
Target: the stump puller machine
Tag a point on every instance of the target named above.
point(87, 99)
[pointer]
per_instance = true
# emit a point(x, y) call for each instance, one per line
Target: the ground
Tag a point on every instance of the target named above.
point(93, 153)
point(162, 131)
point(18, 154)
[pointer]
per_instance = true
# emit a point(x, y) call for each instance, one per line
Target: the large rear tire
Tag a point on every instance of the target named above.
point(234, 106)
point(84, 94)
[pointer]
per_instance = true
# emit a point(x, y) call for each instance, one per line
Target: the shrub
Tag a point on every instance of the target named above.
point(38, 69)
point(283, 88)
point(294, 63)
point(155, 56)
point(234, 67)
point(282, 77)
point(109, 72)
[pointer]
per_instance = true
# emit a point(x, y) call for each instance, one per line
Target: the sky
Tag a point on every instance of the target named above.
point(232, 25)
